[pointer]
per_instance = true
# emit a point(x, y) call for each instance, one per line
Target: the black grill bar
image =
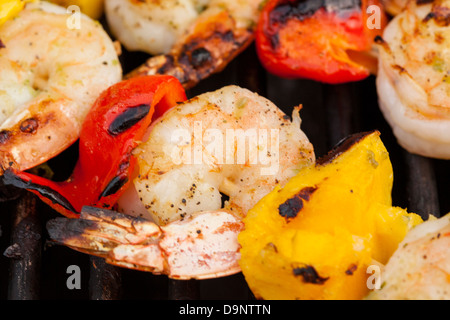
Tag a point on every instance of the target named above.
point(341, 111)
point(184, 289)
point(421, 186)
point(25, 251)
point(105, 281)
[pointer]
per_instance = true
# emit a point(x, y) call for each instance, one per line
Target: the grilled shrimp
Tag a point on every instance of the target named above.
point(190, 39)
point(420, 268)
point(172, 218)
point(231, 142)
point(413, 83)
point(50, 76)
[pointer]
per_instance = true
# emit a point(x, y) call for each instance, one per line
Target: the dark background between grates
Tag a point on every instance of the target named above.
point(330, 113)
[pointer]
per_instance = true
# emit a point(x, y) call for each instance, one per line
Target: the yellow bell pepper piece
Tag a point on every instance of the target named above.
point(316, 237)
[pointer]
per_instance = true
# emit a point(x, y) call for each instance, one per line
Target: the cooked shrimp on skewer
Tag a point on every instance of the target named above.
point(420, 268)
point(413, 81)
point(50, 76)
point(230, 141)
point(195, 153)
point(190, 39)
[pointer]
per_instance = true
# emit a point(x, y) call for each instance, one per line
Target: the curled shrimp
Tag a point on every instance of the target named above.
point(173, 218)
point(50, 76)
point(413, 81)
point(420, 268)
point(190, 39)
point(229, 142)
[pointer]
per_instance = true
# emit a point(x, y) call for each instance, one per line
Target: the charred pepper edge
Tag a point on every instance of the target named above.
point(344, 145)
point(10, 178)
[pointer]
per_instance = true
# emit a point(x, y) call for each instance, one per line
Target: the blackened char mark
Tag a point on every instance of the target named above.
point(128, 118)
point(228, 37)
point(168, 65)
point(199, 57)
point(299, 10)
point(292, 206)
point(306, 193)
point(309, 275)
point(29, 125)
point(61, 230)
point(5, 135)
point(344, 145)
point(10, 178)
point(195, 55)
point(420, 2)
point(275, 40)
point(113, 186)
point(440, 14)
point(379, 40)
point(303, 9)
point(342, 5)
point(351, 269)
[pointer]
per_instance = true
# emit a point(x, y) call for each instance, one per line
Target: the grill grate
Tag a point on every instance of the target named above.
point(31, 268)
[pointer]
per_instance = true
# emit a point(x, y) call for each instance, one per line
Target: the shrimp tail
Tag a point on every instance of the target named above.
point(201, 246)
point(95, 224)
point(116, 124)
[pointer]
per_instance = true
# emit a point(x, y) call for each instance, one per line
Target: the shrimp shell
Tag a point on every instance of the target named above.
point(202, 246)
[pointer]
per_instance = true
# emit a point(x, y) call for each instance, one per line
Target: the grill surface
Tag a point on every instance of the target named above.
point(33, 268)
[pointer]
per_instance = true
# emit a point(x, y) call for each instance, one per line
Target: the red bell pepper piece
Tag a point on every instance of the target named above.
point(115, 125)
point(323, 40)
